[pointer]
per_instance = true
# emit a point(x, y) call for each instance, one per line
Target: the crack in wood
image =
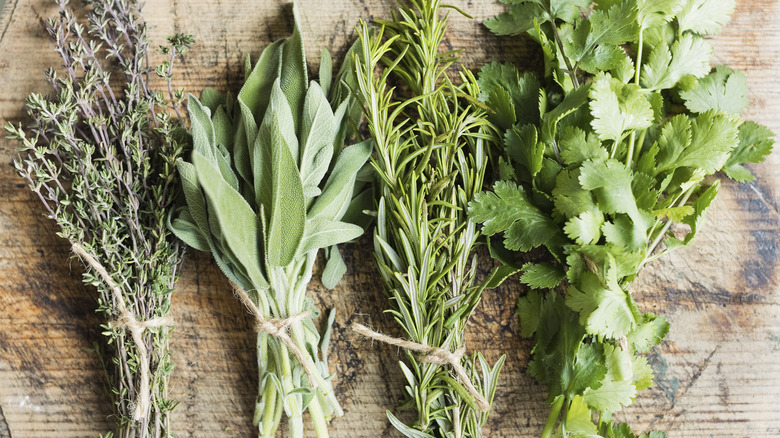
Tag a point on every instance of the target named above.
point(5, 431)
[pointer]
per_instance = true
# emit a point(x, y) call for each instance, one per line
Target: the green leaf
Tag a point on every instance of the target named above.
point(519, 19)
point(573, 101)
point(569, 197)
point(615, 26)
point(585, 228)
point(651, 13)
point(335, 268)
point(255, 94)
point(404, 429)
point(724, 89)
point(318, 130)
point(293, 73)
point(611, 395)
point(755, 143)
point(689, 55)
point(604, 308)
point(184, 228)
point(336, 196)
point(612, 182)
point(705, 17)
point(576, 147)
point(542, 275)
point(322, 233)
point(497, 81)
point(202, 129)
point(618, 108)
point(579, 421)
point(705, 143)
point(237, 221)
point(278, 182)
point(529, 309)
point(648, 334)
point(508, 209)
point(326, 71)
point(522, 146)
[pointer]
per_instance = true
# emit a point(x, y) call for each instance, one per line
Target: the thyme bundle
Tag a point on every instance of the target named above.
point(100, 157)
point(269, 184)
point(430, 161)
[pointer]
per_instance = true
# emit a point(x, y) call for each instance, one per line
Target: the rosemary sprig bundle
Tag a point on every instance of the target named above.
point(99, 155)
point(430, 142)
point(268, 184)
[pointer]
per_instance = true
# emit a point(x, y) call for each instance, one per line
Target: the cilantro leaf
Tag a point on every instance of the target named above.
point(617, 108)
point(518, 20)
point(616, 26)
point(755, 143)
point(507, 209)
point(604, 308)
point(652, 13)
point(585, 228)
point(705, 17)
point(705, 142)
point(579, 421)
point(612, 182)
point(724, 89)
point(689, 55)
point(542, 275)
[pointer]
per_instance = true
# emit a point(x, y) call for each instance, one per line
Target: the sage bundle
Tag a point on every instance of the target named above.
point(100, 156)
point(269, 184)
point(430, 141)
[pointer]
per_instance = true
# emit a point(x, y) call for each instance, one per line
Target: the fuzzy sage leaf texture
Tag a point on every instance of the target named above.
point(268, 184)
point(430, 158)
point(100, 156)
point(613, 170)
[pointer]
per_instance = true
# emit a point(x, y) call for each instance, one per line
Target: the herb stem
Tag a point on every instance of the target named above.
point(552, 418)
point(571, 70)
point(637, 74)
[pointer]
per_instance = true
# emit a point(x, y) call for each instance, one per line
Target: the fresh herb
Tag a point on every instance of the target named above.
point(99, 155)
point(607, 165)
point(430, 141)
point(269, 183)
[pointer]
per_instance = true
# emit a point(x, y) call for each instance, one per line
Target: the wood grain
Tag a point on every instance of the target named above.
point(718, 371)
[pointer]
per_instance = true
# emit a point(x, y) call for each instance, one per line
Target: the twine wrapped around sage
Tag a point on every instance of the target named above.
point(434, 355)
point(278, 328)
point(127, 320)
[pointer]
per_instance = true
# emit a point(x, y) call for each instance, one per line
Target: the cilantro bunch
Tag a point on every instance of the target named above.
point(430, 138)
point(608, 166)
point(270, 183)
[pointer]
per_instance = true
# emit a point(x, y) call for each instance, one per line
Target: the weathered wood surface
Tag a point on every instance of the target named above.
point(718, 371)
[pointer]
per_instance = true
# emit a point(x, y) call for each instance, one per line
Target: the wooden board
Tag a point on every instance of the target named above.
point(718, 371)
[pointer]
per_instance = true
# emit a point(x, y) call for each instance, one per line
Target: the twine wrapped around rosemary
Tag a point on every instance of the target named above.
point(100, 156)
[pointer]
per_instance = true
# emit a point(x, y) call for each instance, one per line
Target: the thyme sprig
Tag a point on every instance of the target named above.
point(99, 155)
point(430, 158)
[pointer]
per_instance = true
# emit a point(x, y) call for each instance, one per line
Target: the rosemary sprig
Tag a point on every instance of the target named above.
point(268, 185)
point(99, 155)
point(430, 159)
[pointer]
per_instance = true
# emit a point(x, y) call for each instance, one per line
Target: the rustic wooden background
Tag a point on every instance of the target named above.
point(718, 373)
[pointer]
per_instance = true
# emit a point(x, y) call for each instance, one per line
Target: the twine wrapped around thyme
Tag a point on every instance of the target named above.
point(278, 328)
point(434, 355)
point(128, 321)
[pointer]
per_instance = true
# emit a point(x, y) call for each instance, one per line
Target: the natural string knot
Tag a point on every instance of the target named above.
point(279, 328)
point(126, 320)
point(434, 355)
